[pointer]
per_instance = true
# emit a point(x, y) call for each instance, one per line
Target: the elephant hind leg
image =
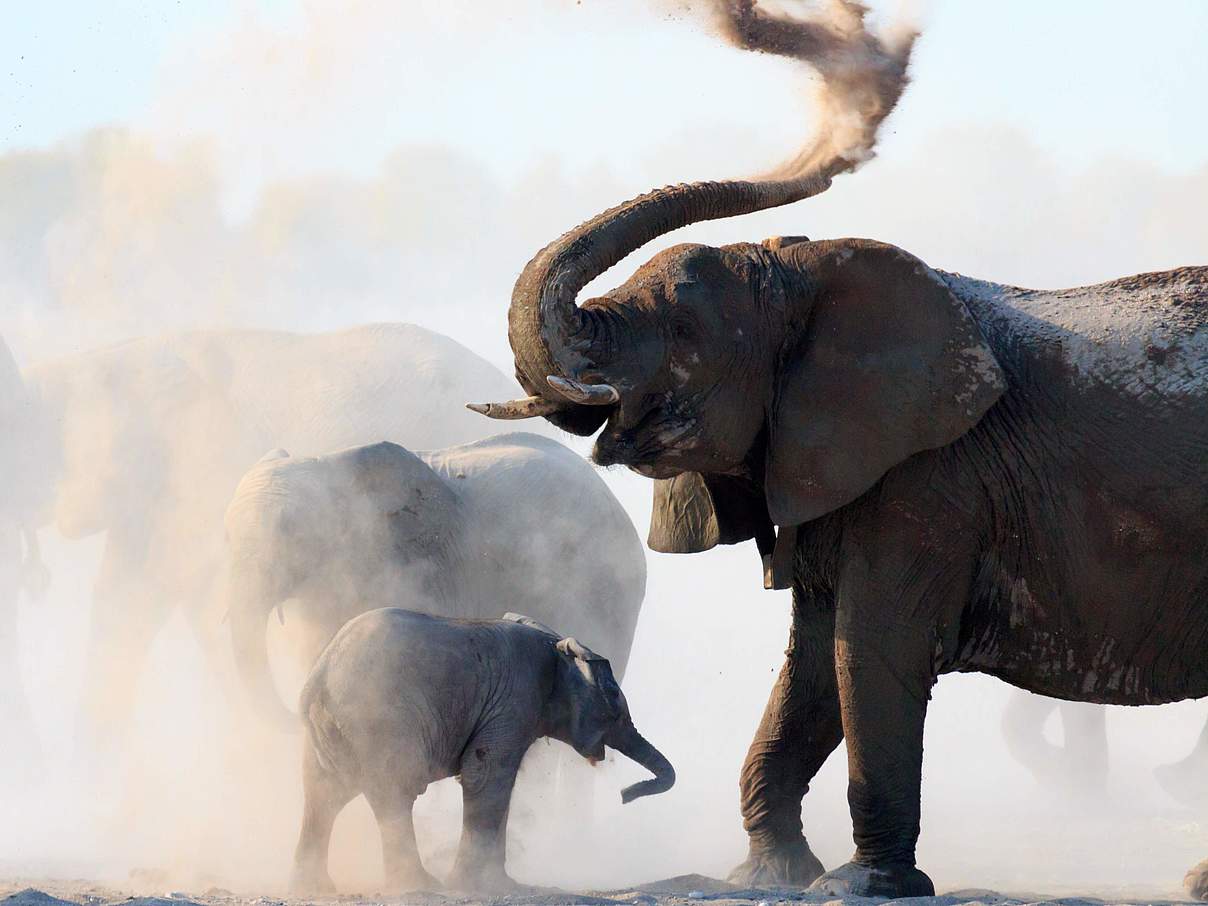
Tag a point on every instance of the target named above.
point(400, 852)
point(325, 796)
point(800, 728)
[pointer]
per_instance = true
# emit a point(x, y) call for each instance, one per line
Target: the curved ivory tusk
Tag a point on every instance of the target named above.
point(584, 394)
point(529, 407)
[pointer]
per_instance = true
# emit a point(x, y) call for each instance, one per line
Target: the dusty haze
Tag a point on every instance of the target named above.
point(148, 226)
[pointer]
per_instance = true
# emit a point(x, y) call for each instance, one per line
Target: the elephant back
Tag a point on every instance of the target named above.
point(313, 393)
point(546, 537)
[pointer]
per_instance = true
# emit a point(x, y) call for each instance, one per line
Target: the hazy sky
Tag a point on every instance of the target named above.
point(284, 83)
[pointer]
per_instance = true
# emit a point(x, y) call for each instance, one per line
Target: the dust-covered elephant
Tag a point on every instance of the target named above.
point(964, 476)
point(146, 440)
point(401, 699)
point(470, 531)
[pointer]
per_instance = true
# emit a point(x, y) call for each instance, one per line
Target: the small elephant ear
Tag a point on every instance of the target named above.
point(890, 363)
point(530, 622)
point(573, 648)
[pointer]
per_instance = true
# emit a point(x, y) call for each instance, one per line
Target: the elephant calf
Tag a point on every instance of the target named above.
point(400, 699)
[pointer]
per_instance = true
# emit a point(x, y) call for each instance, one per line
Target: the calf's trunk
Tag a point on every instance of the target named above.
point(630, 743)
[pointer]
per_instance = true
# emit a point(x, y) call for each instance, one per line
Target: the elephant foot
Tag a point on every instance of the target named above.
point(787, 864)
point(412, 880)
point(311, 880)
point(484, 879)
point(1184, 780)
point(1196, 881)
point(893, 880)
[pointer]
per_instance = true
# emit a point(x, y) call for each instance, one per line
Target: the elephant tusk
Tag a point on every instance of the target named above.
point(280, 614)
point(529, 407)
point(584, 394)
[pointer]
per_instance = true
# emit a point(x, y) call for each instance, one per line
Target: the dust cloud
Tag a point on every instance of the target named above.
point(862, 75)
point(116, 234)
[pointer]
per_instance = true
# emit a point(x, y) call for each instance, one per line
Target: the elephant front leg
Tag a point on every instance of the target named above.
point(800, 728)
point(884, 675)
point(128, 611)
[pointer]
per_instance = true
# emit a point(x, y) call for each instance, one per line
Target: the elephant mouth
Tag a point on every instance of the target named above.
point(649, 448)
point(652, 470)
point(594, 755)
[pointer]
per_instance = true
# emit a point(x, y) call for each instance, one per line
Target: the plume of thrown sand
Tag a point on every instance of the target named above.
point(862, 74)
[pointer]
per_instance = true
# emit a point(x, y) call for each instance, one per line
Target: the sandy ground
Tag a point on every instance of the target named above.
point(685, 890)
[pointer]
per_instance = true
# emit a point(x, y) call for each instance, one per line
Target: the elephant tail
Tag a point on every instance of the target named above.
point(332, 750)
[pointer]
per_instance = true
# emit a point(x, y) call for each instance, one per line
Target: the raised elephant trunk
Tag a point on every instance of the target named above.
point(630, 743)
point(862, 78)
point(552, 336)
point(250, 607)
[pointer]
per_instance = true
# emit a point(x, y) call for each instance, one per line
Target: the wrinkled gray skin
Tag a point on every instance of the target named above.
point(961, 476)
point(399, 700)
point(145, 441)
point(467, 531)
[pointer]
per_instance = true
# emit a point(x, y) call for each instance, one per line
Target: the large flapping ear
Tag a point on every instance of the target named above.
point(888, 363)
point(694, 512)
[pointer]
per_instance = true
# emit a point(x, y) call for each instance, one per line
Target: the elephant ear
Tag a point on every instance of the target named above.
point(889, 363)
point(530, 622)
point(694, 512)
point(572, 647)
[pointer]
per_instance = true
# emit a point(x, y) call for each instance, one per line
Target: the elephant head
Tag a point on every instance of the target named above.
point(347, 529)
point(790, 375)
point(588, 711)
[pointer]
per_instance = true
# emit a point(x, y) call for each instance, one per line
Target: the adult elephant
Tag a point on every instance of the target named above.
point(146, 440)
point(965, 477)
point(471, 531)
point(20, 570)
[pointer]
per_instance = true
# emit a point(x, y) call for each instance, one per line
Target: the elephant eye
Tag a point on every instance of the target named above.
point(682, 329)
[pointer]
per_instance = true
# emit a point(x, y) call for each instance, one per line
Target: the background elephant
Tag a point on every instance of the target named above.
point(963, 476)
point(470, 531)
point(1081, 762)
point(400, 699)
point(145, 441)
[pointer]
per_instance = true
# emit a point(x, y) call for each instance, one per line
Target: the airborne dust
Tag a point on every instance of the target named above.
point(184, 219)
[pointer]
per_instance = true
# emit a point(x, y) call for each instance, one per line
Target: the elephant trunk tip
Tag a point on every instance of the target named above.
point(635, 747)
point(651, 787)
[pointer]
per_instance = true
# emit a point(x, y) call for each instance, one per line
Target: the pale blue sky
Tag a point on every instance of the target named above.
point(1091, 78)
